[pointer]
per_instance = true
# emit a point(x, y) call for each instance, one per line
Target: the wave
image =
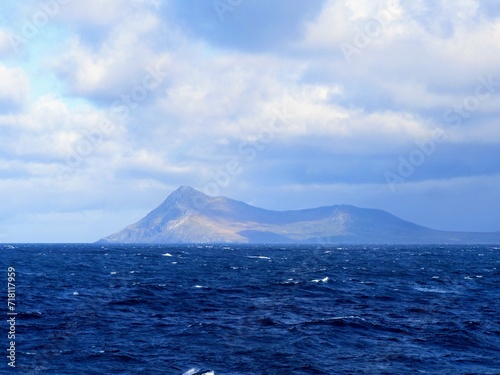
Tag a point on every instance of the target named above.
point(323, 280)
point(197, 371)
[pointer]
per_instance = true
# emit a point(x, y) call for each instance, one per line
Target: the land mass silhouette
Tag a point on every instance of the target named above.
point(189, 216)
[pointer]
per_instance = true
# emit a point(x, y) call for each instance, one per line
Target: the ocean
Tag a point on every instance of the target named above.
point(231, 310)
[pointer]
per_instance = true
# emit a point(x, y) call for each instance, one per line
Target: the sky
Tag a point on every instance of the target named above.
point(106, 107)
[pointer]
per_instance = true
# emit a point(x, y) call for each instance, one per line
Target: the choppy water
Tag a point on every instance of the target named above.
point(93, 309)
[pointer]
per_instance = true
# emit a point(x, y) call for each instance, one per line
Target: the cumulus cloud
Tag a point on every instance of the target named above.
point(106, 70)
point(48, 129)
point(395, 48)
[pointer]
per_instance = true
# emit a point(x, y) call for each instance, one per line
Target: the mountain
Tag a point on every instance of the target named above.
point(189, 216)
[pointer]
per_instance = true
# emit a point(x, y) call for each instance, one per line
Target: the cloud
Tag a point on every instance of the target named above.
point(112, 68)
point(14, 90)
point(397, 60)
point(269, 86)
point(5, 45)
point(48, 130)
point(94, 12)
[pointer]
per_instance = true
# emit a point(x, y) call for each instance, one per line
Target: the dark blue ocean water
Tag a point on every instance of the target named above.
point(93, 309)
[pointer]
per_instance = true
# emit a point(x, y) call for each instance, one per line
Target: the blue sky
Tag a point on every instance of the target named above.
point(108, 106)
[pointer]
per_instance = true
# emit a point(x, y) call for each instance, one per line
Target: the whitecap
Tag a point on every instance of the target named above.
point(173, 262)
point(367, 282)
point(258, 257)
point(323, 280)
point(76, 293)
point(347, 317)
point(113, 273)
point(333, 318)
point(200, 286)
point(197, 371)
point(167, 255)
point(432, 290)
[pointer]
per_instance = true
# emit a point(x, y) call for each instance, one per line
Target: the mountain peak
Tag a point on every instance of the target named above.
point(187, 197)
point(185, 190)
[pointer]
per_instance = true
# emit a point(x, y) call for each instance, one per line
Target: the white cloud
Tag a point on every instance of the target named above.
point(94, 12)
point(240, 101)
point(411, 63)
point(104, 12)
point(460, 10)
point(53, 141)
point(14, 90)
point(110, 68)
point(341, 22)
